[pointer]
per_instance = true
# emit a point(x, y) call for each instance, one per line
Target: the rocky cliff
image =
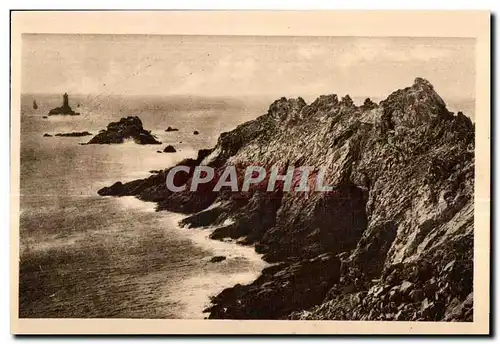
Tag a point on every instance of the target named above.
point(392, 241)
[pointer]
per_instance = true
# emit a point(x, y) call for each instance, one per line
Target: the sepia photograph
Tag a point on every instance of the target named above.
point(294, 178)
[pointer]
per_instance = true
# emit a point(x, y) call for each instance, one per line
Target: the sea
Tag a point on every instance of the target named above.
point(87, 256)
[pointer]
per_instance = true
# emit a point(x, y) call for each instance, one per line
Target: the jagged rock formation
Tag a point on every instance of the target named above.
point(392, 241)
point(65, 109)
point(126, 128)
point(368, 104)
point(171, 129)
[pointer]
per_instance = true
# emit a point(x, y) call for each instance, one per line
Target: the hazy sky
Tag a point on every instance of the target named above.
point(235, 66)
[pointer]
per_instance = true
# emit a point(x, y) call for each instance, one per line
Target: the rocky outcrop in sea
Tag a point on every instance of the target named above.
point(74, 134)
point(126, 128)
point(65, 109)
point(392, 241)
point(169, 149)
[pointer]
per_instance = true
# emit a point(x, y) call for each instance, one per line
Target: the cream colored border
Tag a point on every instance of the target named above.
point(297, 23)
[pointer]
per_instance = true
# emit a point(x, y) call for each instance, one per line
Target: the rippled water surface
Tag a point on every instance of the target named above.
point(88, 256)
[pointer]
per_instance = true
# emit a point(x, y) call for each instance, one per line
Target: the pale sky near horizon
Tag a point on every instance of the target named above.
point(250, 65)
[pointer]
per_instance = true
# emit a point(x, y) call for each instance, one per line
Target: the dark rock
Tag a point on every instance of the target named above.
point(217, 259)
point(417, 295)
point(368, 104)
point(127, 128)
point(346, 101)
point(47, 135)
point(114, 189)
point(280, 289)
point(195, 132)
point(74, 134)
point(65, 109)
point(169, 149)
point(171, 129)
point(44, 117)
point(159, 152)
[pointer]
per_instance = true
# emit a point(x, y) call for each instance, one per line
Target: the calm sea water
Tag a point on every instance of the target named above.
point(88, 256)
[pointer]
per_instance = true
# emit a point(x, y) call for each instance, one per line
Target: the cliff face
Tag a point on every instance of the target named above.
point(392, 241)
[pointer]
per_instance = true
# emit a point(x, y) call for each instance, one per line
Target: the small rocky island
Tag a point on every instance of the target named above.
point(65, 109)
point(74, 134)
point(126, 128)
point(169, 149)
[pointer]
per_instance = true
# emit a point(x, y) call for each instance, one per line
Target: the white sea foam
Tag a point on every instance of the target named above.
point(242, 265)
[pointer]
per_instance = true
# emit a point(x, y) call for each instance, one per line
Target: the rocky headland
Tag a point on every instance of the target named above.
point(392, 241)
point(128, 128)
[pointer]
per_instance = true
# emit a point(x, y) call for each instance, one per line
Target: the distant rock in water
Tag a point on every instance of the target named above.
point(171, 129)
point(217, 259)
point(195, 132)
point(169, 149)
point(126, 128)
point(74, 134)
point(47, 135)
point(65, 109)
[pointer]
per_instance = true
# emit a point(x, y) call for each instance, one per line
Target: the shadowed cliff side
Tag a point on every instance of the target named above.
point(392, 241)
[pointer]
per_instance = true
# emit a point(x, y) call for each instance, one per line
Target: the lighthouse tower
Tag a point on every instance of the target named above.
point(65, 101)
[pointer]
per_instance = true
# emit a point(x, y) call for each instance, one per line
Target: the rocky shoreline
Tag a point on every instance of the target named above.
point(392, 241)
